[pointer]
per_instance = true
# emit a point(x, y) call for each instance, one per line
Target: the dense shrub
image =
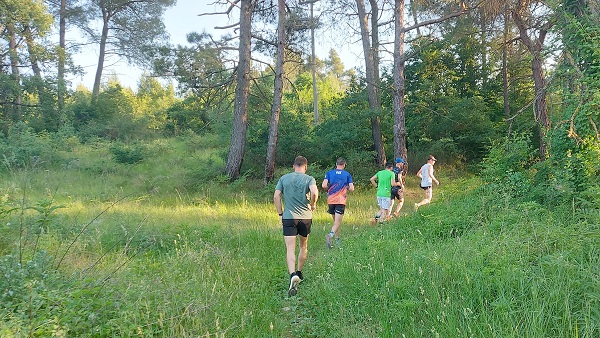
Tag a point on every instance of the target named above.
point(22, 148)
point(127, 153)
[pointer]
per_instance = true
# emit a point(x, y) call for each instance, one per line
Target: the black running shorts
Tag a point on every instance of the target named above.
point(336, 209)
point(293, 227)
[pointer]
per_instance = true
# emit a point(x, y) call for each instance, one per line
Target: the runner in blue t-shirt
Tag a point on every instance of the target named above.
point(339, 182)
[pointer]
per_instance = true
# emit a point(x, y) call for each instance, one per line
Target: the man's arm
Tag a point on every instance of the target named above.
point(314, 196)
point(350, 186)
point(433, 177)
point(325, 183)
point(374, 181)
point(277, 202)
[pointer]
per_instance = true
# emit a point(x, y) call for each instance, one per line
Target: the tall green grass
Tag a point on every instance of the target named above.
point(155, 250)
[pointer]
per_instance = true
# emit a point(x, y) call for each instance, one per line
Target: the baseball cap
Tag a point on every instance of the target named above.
point(400, 160)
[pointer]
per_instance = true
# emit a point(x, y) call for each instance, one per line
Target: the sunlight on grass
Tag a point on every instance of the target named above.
point(179, 263)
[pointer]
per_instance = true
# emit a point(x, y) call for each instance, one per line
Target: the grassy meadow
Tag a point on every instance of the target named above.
point(94, 248)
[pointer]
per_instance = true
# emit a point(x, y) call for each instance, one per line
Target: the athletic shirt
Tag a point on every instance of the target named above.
point(426, 180)
point(398, 176)
point(384, 183)
point(339, 180)
point(295, 189)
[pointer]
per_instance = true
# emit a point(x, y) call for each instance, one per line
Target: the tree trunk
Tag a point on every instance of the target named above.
point(45, 99)
point(398, 89)
point(534, 46)
point(15, 112)
point(240, 107)
point(375, 44)
point(277, 95)
point(505, 82)
point(372, 81)
point(35, 67)
point(101, 56)
point(61, 55)
point(539, 103)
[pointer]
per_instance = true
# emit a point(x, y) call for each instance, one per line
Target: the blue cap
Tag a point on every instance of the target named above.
point(400, 160)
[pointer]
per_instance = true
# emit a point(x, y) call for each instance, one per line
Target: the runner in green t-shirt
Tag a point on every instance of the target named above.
point(383, 180)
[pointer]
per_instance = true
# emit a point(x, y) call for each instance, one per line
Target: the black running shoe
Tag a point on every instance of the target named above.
point(294, 281)
point(299, 274)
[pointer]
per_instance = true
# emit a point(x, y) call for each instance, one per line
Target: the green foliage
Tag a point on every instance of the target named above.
point(152, 102)
point(165, 262)
point(128, 153)
point(444, 103)
point(504, 169)
point(575, 143)
point(22, 148)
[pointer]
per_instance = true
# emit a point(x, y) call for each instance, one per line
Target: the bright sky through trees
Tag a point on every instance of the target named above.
point(183, 19)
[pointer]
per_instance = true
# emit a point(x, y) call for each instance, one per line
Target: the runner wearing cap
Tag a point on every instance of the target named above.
point(427, 179)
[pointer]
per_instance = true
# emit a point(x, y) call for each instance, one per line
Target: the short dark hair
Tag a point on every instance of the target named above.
point(340, 161)
point(389, 165)
point(300, 161)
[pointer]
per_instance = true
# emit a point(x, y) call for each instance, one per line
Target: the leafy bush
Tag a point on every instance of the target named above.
point(127, 154)
point(505, 167)
point(23, 148)
point(30, 295)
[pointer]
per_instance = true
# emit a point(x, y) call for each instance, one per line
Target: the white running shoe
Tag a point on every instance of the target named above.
point(329, 241)
point(294, 281)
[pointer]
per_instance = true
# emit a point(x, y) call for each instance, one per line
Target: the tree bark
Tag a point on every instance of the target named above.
point(505, 83)
point(61, 55)
point(372, 81)
point(240, 108)
point(15, 112)
point(277, 94)
point(534, 45)
point(101, 55)
point(35, 67)
point(398, 91)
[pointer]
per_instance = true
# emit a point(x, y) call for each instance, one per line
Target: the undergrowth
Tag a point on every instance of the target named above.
point(122, 254)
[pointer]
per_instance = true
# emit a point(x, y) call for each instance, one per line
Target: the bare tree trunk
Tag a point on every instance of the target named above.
point(534, 45)
point(539, 103)
point(505, 83)
point(35, 67)
point(372, 81)
point(375, 43)
point(14, 65)
point(240, 108)
point(277, 95)
point(314, 66)
point(398, 90)
point(101, 56)
point(61, 55)
point(413, 10)
point(484, 73)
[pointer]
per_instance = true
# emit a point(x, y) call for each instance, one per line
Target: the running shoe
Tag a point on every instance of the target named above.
point(294, 281)
point(329, 240)
point(375, 220)
point(299, 274)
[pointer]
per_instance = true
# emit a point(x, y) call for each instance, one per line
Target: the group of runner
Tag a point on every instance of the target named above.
point(296, 196)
